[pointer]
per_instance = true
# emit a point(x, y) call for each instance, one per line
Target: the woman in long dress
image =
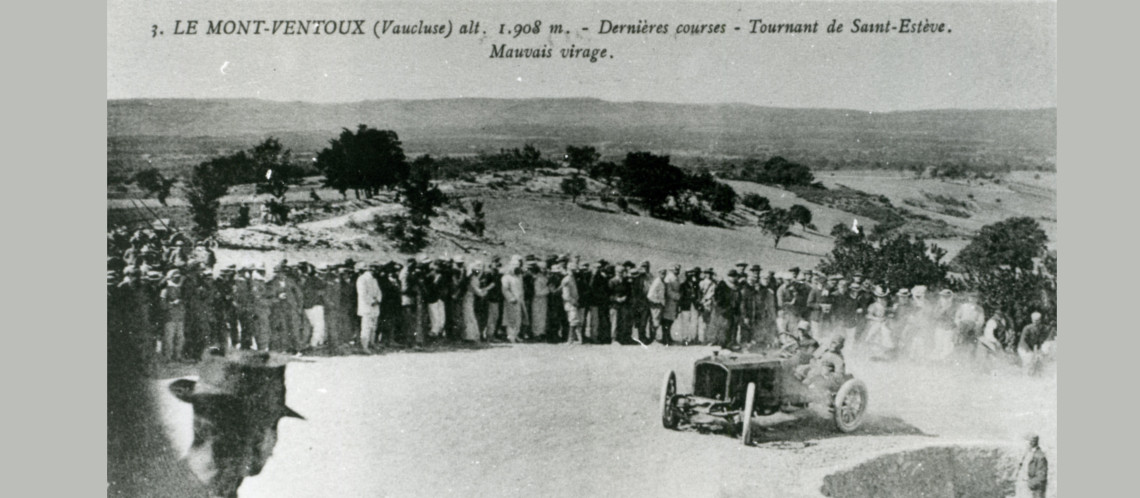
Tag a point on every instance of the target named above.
point(471, 328)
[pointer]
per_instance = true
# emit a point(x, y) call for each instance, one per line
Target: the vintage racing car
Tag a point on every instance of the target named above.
point(729, 390)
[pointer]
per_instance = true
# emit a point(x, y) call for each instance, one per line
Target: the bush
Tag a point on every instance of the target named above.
point(153, 183)
point(242, 218)
point(408, 232)
point(776, 222)
point(756, 201)
point(779, 171)
point(477, 224)
point(895, 262)
point(800, 215)
point(574, 186)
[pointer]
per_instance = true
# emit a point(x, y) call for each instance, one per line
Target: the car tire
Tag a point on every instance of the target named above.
point(668, 401)
point(746, 415)
point(850, 405)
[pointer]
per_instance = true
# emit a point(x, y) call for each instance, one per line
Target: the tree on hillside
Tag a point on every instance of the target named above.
point(1013, 243)
point(604, 172)
point(417, 193)
point(801, 215)
point(273, 169)
point(206, 186)
point(896, 262)
point(756, 201)
point(421, 199)
point(723, 199)
point(153, 183)
point(776, 222)
point(1008, 264)
point(702, 183)
point(582, 158)
point(779, 171)
point(650, 179)
point(573, 186)
point(365, 160)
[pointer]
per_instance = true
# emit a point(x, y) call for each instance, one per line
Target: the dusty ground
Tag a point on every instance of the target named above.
point(549, 420)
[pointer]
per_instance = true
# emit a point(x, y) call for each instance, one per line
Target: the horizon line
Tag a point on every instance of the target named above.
point(507, 99)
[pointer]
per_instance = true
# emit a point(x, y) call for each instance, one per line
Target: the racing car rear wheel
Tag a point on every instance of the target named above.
point(746, 415)
point(668, 403)
point(850, 405)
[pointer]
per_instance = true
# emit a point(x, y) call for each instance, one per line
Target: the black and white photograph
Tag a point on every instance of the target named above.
point(577, 249)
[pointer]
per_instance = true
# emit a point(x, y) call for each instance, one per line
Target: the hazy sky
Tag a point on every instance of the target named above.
point(997, 55)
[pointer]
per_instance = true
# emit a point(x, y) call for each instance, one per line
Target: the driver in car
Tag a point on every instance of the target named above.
point(828, 368)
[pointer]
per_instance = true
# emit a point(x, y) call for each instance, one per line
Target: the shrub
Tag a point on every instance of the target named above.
point(242, 218)
point(756, 201)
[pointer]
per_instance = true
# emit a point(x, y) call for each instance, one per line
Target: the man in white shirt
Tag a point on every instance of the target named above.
point(367, 306)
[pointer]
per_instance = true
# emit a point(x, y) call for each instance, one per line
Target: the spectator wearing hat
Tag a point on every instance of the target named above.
point(725, 311)
point(335, 323)
point(747, 287)
point(411, 302)
point(878, 336)
point(1029, 344)
point(244, 317)
point(672, 310)
point(765, 328)
point(539, 299)
point(620, 292)
point(472, 299)
point(284, 310)
point(656, 296)
point(513, 298)
point(919, 334)
point(786, 297)
point(174, 312)
point(597, 301)
point(436, 286)
point(644, 328)
point(263, 298)
point(688, 307)
point(368, 297)
point(813, 302)
point(1033, 470)
point(942, 343)
point(200, 295)
point(851, 311)
point(313, 304)
point(225, 306)
point(493, 282)
point(968, 322)
point(571, 305)
point(707, 288)
point(456, 289)
point(556, 326)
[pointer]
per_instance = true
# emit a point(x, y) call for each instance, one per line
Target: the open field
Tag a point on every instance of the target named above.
point(555, 420)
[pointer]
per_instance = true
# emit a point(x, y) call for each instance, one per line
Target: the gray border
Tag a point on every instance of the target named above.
point(55, 362)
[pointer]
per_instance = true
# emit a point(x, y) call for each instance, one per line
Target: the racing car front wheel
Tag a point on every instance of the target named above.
point(746, 415)
point(850, 405)
point(668, 392)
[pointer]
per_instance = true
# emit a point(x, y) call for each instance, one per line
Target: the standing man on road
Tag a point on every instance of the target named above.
point(1033, 470)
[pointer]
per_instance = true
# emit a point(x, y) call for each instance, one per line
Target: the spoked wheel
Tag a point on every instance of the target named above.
point(850, 405)
point(668, 403)
point(746, 415)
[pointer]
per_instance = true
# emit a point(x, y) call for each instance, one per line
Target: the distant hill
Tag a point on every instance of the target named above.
point(823, 138)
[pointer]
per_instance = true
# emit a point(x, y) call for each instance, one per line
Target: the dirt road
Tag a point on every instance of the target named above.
point(547, 420)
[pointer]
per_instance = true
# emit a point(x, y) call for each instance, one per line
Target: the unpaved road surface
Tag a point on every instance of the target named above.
point(573, 421)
